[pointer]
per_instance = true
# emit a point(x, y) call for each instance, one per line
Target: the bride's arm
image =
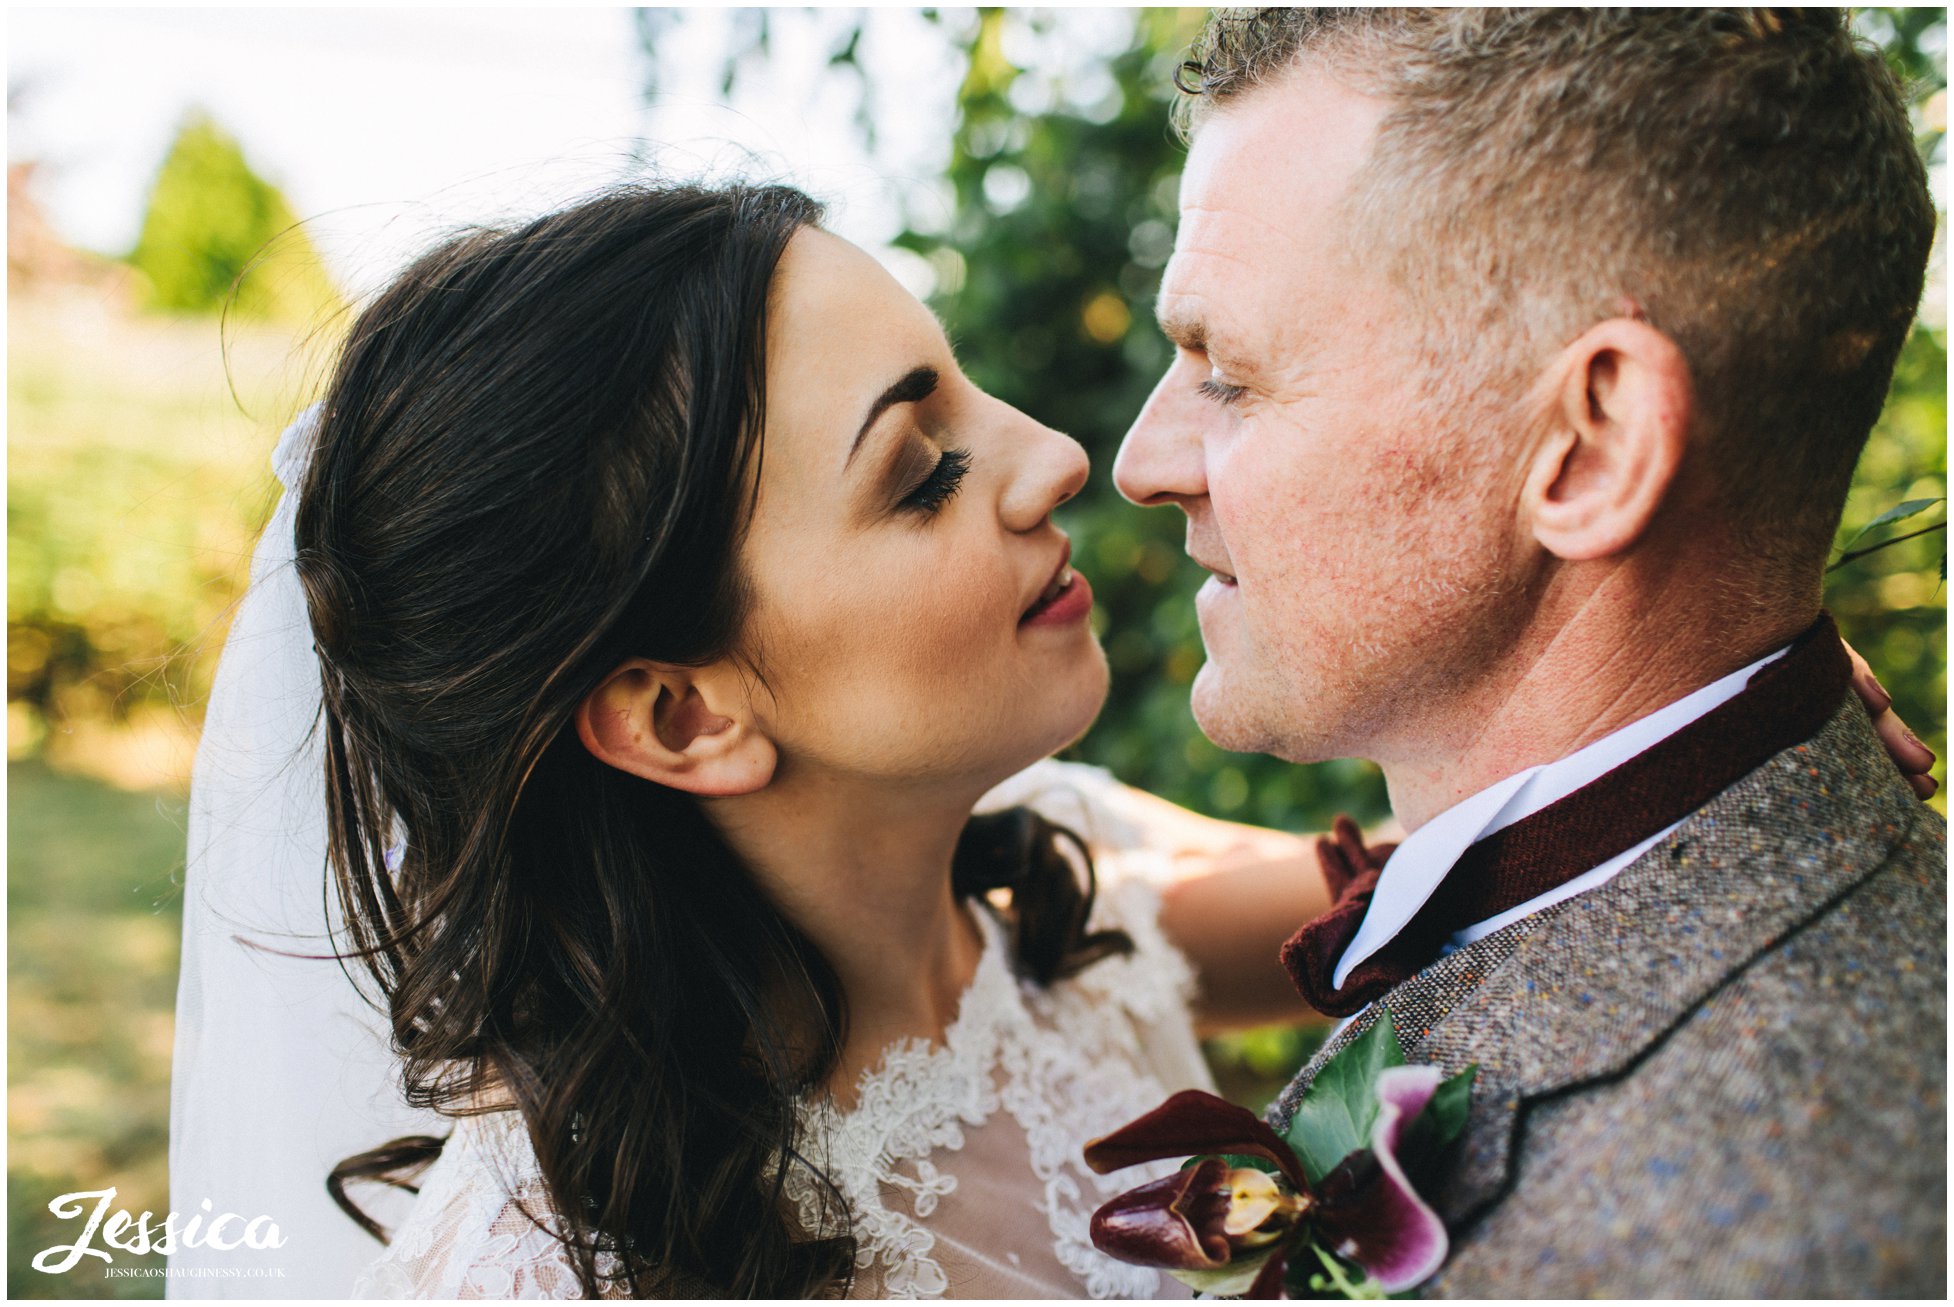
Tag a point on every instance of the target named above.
point(1240, 892)
point(1230, 894)
point(1231, 920)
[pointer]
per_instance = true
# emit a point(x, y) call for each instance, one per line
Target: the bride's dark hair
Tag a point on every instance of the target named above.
point(533, 461)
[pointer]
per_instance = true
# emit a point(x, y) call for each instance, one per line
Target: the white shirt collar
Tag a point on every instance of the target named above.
point(1419, 865)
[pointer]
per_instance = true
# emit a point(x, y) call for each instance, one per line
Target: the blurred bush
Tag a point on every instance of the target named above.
point(99, 600)
point(135, 486)
point(1892, 604)
point(210, 218)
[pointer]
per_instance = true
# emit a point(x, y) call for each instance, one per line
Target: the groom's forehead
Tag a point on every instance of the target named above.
point(1247, 239)
point(1261, 200)
point(1288, 147)
point(1235, 283)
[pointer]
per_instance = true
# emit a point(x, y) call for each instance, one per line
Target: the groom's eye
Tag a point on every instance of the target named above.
point(1220, 391)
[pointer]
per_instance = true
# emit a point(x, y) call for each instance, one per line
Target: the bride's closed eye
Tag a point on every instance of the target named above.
point(938, 485)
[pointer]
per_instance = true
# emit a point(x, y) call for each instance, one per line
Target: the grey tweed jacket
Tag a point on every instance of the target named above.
point(1723, 1073)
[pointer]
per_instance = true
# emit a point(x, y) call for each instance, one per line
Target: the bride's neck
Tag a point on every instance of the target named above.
point(864, 871)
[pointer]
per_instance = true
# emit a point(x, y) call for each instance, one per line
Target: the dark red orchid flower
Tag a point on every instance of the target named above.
point(1175, 1221)
point(1198, 1218)
point(1231, 1229)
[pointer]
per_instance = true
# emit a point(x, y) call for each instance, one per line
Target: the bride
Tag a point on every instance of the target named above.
point(662, 604)
point(676, 601)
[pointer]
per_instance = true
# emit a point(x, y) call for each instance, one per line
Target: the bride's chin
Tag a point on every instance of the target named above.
point(1082, 707)
point(1059, 722)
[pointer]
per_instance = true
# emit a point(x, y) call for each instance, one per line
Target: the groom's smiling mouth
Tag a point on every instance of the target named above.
point(1225, 578)
point(1196, 546)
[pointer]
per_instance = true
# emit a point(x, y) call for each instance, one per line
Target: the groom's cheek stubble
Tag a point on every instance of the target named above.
point(1360, 511)
point(1378, 559)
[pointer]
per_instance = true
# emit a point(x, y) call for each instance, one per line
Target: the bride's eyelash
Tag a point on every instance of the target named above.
point(1220, 391)
point(941, 483)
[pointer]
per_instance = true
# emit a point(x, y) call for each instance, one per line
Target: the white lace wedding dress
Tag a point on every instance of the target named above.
point(959, 1161)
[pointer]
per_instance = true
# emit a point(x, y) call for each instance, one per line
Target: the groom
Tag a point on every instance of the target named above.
point(1522, 361)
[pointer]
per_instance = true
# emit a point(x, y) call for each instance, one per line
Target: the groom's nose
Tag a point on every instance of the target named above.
point(1161, 460)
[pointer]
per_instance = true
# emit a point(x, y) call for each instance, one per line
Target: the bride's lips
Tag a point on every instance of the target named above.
point(1066, 598)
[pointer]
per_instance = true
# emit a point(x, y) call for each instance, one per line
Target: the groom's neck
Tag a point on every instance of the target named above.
point(1588, 666)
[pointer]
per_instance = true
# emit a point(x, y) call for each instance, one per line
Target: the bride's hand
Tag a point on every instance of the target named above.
point(1914, 759)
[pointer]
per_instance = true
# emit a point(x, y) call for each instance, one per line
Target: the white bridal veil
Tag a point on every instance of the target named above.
point(281, 1069)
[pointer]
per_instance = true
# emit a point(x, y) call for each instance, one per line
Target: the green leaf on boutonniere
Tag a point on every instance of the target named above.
point(1444, 1114)
point(1444, 1117)
point(1230, 1281)
point(1339, 1108)
point(1235, 1160)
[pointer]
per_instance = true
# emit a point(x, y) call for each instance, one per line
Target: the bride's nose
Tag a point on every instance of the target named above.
point(1051, 469)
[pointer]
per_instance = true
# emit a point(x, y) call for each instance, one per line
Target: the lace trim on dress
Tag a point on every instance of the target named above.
point(1067, 1063)
point(1064, 1062)
point(917, 1100)
point(471, 1234)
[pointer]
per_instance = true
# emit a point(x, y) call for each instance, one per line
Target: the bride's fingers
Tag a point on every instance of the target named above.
point(1902, 743)
point(1866, 685)
point(1913, 758)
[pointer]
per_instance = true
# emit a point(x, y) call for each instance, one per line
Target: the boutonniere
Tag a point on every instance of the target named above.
point(1327, 1209)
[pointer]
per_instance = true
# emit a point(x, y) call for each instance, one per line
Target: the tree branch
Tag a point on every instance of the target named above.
point(1873, 549)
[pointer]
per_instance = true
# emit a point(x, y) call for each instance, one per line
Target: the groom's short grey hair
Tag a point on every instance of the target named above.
point(1747, 179)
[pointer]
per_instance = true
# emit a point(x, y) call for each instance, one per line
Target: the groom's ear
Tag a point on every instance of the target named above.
point(688, 728)
point(1619, 405)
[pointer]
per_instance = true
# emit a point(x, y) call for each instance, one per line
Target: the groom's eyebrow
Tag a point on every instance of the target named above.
point(1190, 334)
point(916, 384)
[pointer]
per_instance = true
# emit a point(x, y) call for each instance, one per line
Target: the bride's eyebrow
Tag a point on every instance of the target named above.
point(917, 384)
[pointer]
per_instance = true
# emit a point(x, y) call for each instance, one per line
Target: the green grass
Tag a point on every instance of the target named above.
point(94, 909)
point(135, 486)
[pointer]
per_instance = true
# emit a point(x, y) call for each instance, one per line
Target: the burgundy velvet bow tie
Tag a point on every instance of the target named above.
point(1785, 703)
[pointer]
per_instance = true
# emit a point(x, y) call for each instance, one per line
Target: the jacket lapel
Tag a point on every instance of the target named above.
point(1582, 989)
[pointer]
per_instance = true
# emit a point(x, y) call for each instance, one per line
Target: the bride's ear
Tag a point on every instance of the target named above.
point(687, 728)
